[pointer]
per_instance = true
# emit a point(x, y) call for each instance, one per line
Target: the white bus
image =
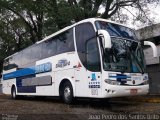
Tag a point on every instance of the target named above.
point(94, 58)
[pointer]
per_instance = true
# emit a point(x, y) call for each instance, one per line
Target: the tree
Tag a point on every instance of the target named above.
point(23, 23)
point(42, 17)
point(31, 13)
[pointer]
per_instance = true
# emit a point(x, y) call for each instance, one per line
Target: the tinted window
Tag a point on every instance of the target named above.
point(49, 48)
point(26, 54)
point(9, 63)
point(17, 59)
point(116, 30)
point(65, 42)
point(36, 52)
point(5, 64)
point(12, 62)
point(93, 59)
point(85, 32)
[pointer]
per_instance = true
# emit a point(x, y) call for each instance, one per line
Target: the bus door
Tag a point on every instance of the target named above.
point(88, 73)
point(93, 66)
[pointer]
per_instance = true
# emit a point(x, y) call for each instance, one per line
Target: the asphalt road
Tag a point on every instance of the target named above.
point(52, 108)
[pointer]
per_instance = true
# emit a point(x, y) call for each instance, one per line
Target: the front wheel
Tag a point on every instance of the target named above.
point(67, 94)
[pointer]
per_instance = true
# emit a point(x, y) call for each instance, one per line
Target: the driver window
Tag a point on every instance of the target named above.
point(93, 59)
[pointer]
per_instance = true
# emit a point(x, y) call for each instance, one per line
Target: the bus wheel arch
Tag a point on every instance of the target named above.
point(66, 91)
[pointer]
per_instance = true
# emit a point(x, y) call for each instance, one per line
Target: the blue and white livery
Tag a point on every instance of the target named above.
point(94, 58)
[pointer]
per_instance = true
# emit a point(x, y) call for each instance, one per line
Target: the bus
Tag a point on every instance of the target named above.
point(93, 58)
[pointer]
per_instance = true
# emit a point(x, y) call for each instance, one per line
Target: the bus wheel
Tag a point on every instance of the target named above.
point(13, 93)
point(67, 94)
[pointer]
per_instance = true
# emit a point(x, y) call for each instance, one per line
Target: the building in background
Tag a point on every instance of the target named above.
point(0, 86)
point(152, 33)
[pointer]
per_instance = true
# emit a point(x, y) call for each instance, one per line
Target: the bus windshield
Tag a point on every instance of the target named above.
point(126, 54)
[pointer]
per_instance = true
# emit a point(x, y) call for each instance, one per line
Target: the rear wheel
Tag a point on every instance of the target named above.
point(13, 93)
point(67, 93)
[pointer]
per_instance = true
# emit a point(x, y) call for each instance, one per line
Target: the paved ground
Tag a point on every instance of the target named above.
point(51, 108)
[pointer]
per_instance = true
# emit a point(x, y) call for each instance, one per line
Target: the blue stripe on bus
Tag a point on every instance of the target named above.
point(46, 67)
point(119, 76)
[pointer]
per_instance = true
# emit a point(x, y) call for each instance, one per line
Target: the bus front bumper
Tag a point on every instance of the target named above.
point(120, 91)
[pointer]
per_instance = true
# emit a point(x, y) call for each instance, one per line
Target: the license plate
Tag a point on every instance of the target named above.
point(133, 91)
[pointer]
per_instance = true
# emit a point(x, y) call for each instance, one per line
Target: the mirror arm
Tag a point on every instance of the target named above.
point(153, 46)
point(106, 37)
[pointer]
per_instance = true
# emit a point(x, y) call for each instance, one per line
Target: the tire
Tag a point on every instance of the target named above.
point(13, 93)
point(67, 93)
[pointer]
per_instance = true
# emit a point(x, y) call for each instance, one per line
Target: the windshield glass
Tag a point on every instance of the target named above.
point(116, 30)
point(126, 54)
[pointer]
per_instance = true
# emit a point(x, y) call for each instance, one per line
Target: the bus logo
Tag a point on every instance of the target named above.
point(62, 63)
point(93, 76)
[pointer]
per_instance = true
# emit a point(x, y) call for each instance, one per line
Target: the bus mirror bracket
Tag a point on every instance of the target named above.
point(153, 46)
point(106, 39)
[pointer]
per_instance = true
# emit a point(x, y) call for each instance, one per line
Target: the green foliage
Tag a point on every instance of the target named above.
point(23, 23)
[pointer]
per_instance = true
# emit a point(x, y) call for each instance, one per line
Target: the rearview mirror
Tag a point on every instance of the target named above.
point(106, 39)
point(153, 46)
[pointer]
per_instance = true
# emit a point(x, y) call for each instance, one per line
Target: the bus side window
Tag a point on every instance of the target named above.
point(17, 59)
point(65, 42)
point(49, 48)
point(26, 57)
point(36, 52)
point(12, 62)
point(6, 64)
point(9, 63)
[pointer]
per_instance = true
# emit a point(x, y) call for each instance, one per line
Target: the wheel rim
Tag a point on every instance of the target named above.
point(67, 93)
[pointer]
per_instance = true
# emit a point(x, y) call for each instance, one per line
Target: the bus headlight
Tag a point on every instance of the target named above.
point(112, 82)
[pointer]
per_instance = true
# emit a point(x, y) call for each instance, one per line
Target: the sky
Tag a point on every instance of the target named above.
point(154, 13)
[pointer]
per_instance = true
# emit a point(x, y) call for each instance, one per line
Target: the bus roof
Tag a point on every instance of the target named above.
point(82, 21)
point(92, 20)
